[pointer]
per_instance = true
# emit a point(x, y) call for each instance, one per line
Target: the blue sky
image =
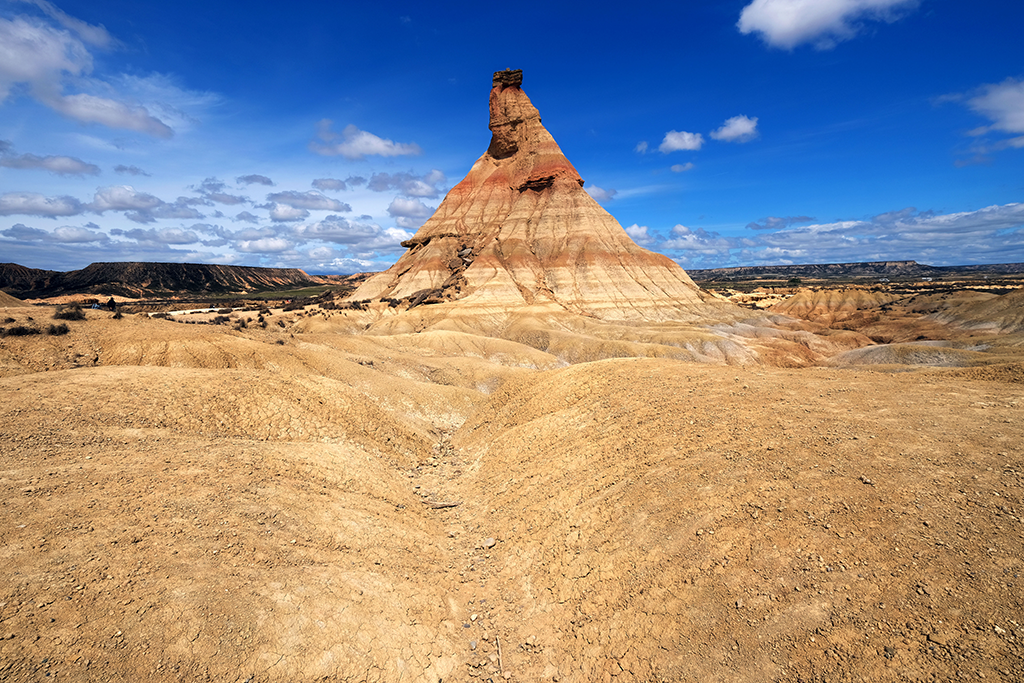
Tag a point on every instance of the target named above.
point(320, 135)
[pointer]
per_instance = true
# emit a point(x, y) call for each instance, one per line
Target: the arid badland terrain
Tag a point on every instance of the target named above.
point(529, 451)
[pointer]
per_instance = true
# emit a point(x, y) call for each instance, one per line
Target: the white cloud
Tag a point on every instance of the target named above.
point(123, 198)
point(411, 208)
point(268, 245)
point(287, 214)
point(94, 35)
point(356, 144)
point(638, 233)
point(641, 147)
point(788, 23)
point(43, 57)
point(700, 241)
point(359, 237)
point(1003, 103)
point(314, 201)
point(777, 222)
point(410, 185)
point(409, 213)
point(129, 170)
point(60, 165)
point(65, 234)
point(330, 184)
point(737, 129)
point(162, 236)
point(107, 112)
point(680, 140)
point(38, 55)
point(254, 179)
point(35, 204)
point(601, 194)
point(682, 168)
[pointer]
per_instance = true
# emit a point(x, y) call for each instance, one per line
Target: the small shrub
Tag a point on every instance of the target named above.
point(220, 320)
point(20, 331)
point(280, 323)
point(118, 316)
point(69, 313)
point(57, 330)
point(280, 342)
point(10, 320)
point(224, 310)
point(162, 316)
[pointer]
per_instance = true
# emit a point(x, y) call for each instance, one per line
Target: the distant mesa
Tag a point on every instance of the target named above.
point(520, 231)
point(134, 279)
point(870, 269)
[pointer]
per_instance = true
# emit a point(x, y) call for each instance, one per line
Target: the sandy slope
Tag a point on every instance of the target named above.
point(189, 502)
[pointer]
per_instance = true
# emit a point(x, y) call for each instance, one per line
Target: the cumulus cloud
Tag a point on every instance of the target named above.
point(123, 198)
point(788, 23)
point(737, 129)
point(267, 245)
point(358, 237)
point(330, 184)
point(254, 179)
point(413, 208)
point(355, 144)
point(699, 241)
point(213, 190)
point(35, 204)
point(313, 201)
point(180, 209)
point(680, 140)
point(639, 234)
point(287, 214)
point(129, 170)
point(427, 185)
point(408, 212)
point(682, 168)
point(246, 217)
point(162, 236)
point(65, 234)
point(601, 194)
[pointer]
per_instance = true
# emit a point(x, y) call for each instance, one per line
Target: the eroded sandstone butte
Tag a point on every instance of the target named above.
point(520, 231)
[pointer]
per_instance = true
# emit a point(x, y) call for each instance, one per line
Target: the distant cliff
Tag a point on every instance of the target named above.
point(149, 279)
point(871, 269)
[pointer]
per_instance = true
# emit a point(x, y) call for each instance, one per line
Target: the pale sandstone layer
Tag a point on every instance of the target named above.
point(520, 230)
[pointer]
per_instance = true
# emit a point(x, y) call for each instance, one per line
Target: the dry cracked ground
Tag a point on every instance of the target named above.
point(193, 502)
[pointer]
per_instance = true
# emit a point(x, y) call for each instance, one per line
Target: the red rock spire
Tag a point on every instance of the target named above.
point(520, 230)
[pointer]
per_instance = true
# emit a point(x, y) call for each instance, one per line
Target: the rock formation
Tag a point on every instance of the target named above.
point(520, 230)
point(133, 279)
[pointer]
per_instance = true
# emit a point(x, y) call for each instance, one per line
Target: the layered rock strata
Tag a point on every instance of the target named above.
point(520, 230)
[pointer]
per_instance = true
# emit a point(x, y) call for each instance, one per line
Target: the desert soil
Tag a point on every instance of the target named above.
point(192, 502)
